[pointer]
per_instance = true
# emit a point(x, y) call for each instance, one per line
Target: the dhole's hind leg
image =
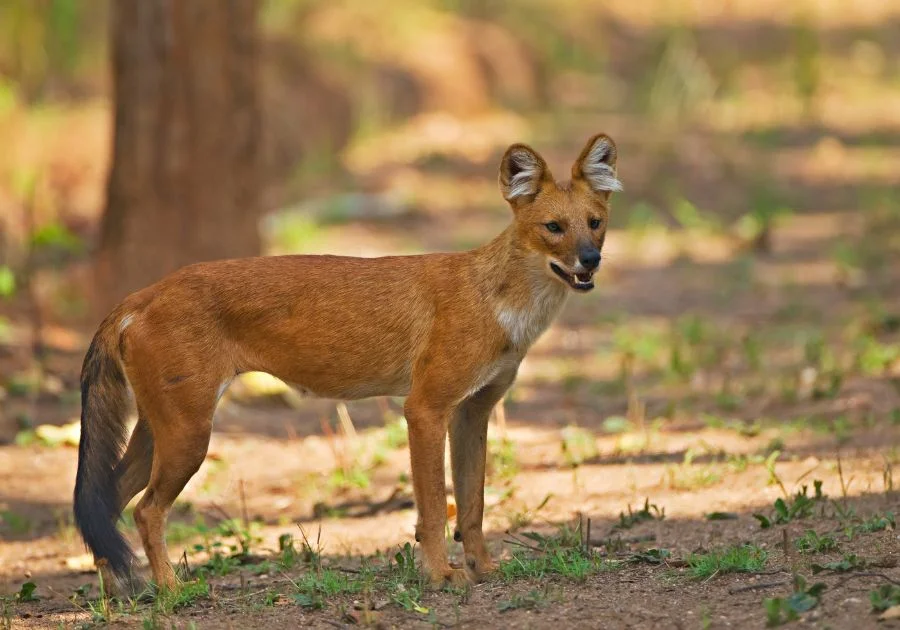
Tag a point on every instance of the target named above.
point(182, 425)
point(468, 450)
point(133, 471)
point(132, 474)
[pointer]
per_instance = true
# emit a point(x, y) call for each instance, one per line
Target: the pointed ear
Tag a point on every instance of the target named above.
point(596, 166)
point(522, 173)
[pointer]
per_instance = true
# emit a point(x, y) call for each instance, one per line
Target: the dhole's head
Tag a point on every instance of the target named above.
point(562, 225)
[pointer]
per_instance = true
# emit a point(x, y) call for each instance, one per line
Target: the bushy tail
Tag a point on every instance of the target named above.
point(104, 408)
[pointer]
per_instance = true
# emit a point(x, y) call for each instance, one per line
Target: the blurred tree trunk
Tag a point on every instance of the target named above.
point(184, 185)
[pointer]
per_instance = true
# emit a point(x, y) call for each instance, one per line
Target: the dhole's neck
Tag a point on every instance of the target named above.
point(525, 298)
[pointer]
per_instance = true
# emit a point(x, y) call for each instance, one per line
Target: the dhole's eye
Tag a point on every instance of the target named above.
point(553, 226)
point(595, 223)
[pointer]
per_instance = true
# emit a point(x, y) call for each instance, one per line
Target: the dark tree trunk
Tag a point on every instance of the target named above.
point(184, 184)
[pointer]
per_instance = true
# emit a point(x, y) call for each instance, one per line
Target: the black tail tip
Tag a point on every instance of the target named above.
point(104, 540)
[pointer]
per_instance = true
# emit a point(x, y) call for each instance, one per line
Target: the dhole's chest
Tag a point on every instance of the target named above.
point(525, 323)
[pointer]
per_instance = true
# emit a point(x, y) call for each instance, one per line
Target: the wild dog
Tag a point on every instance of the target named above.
point(447, 330)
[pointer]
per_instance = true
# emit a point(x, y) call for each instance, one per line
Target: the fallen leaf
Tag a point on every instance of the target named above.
point(259, 384)
point(52, 435)
point(82, 563)
point(891, 613)
point(362, 617)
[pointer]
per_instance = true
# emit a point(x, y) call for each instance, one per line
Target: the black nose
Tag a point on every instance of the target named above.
point(589, 259)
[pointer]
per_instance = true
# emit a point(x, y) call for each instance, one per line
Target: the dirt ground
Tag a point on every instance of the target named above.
point(713, 371)
point(271, 462)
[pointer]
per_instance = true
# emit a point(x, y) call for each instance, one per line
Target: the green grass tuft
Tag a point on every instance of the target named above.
point(738, 559)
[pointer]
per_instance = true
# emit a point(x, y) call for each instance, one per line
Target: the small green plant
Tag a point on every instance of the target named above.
point(638, 343)
point(101, 609)
point(81, 591)
point(650, 556)
point(15, 523)
point(396, 434)
point(409, 598)
point(223, 557)
point(57, 237)
point(26, 593)
point(752, 349)
point(692, 218)
point(800, 506)
point(7, 282)
point(874, 357)
point(184, 594)
point(875, 523)
point(272, 598)
point(617, 425)
point(563, 554)
point(878, 523)
point(850, 562)
point(650, 512)
point(179, 532)
point(745, 429)
point(687, 475)
point(577, 445)
point(524, 517)
point(570, 563)
point(804, 598)
point(884, 597)
point(769, 463)
point(529, 601)
point(738, 559)
point(405, 583)
point(314, 587)
point(721, 516)
point(153, 622)
point(502, 461)
point(350, 477)
point(6, 613)
point(807, 61)
point(288, 556)
point(811, 542)
point(405, 560)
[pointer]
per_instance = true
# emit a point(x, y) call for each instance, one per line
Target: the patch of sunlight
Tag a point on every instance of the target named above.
point(437, 134)
point(832, 162)
point(825, 13)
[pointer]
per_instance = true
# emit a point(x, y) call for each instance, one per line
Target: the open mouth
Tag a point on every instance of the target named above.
point(579, 281)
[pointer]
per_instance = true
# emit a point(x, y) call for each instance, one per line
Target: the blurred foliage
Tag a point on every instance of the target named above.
point(730, 126)
point(46, 45)
point(7, 281)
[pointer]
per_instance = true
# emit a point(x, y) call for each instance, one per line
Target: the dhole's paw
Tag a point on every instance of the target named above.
point(449, 577)
point(480, 568)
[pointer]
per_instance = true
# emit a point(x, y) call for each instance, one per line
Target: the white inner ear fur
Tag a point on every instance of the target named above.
point(525, 181)
point(596, 168)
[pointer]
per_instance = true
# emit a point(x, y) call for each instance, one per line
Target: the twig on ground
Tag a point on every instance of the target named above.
point(515, 541)
point(602, 542)
point(222, 512)
point(346, 570)
point(245, 517)
point(756, 587)
point(867, 574)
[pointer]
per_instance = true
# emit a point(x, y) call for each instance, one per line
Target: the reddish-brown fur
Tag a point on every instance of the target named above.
point(446, 330)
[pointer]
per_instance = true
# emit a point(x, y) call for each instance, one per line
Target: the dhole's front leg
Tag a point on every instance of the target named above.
point(468, 450)
point(427, 438)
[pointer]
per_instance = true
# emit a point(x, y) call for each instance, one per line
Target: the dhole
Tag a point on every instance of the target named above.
point(447, 331)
